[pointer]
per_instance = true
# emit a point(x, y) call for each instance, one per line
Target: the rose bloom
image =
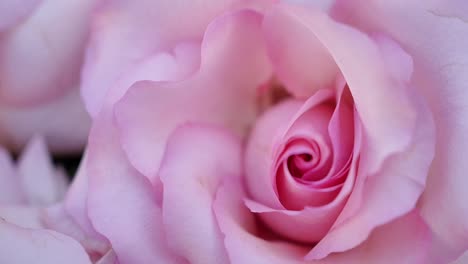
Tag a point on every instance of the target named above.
point(41, 53)
point(34, 226)
point(261, 132)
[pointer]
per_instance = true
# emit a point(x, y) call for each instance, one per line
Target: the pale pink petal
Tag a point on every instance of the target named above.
point(13, 11)
point(57, 218)
point(259, 155)
point(38, 176)
point(21, 215)
point(405, 240)
point(440, 74)
point(64, 124)
point(462, 260)
point(121, 202)
point(10, 184)
point(121, 38)
point(109, 258)
point(46, 49)
point(76, 200)
point(241, 238)
point(233, 65)
point(41, 246)
point(160, 67)
point(300, 60)
point(190, 181)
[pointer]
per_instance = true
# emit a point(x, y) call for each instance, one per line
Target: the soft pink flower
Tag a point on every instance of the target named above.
point(260, 132)
point(41, 52)
point(34, 226)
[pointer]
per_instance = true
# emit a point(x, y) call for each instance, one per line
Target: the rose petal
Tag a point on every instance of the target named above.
point(12, 12)
point(223, 92)
point(190, 182)
point(408, 238)
point(241, 235)
point(134, 227)
point(57, 218)
point(47, 50)
point(121, 38)
point(23, 216)
point(75, 203)
point(300, 61)
point(41, 246)
point(40, 181)
point(461, 260)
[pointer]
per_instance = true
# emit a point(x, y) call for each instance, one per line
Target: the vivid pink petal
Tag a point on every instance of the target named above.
point(242, 240)
point(190, 181)
point(121, 38)
point(41, 246)
point(10, 184)
point(440, 74)
point(233, 65)
point(13, 11)
point(63, 123)
point(45, 48)
point(121, 202)
point(41, 183)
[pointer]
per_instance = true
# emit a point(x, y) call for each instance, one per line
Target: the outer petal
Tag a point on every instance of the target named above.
point(223, 92)
point(134, 227)
point(12, 12)
point(56, 218)
point(440, 72)
point(45, 49)
point(76, 200)
point(121, 37)
point(23, 245)
point(190, 181)
point(64, 124)
point(41, 183)
point(406, 240)
point(160, 67)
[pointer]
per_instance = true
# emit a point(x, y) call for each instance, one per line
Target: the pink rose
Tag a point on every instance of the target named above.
point(259, 132)
point(34, 227)
point(41, 52)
